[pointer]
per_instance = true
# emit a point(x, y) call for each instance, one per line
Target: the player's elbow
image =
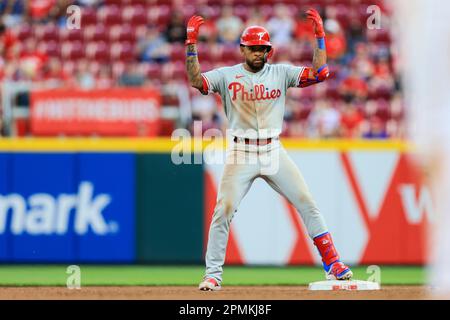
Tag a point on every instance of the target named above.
point(322, 73)
point(198, 84)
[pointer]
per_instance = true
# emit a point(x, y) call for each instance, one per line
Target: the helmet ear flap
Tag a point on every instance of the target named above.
point(268, 55)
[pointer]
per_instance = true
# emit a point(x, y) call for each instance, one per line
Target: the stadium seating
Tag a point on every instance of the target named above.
point(110, 35)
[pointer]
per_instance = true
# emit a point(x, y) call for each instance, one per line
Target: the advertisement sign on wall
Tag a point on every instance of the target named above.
point(58, 207)
point(113, 112)
point(374, 202)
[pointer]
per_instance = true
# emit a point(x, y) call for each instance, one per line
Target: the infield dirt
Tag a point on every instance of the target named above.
point(227, 293)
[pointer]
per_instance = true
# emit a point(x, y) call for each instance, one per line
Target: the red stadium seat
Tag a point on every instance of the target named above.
point(179, 71)
point(137, 16)
point(117, 3)
point(96, 33)
point(188, 11)
point(154, 71)
point(109, 15)
point(122, 33)
point(163, 16)
point(72, 50)
point(52, 49)
point(343, 16)
point(122, 52)
point(138, 2)
point(24, 32)
point(242, 12)
point(177, 52)
point(230, 52)
point(206, 66)
point(51, 32)
point(127, 33)
point(88, 16)
point(98, 51)
point(215, 12)
point(215, 2)
point(70, 34)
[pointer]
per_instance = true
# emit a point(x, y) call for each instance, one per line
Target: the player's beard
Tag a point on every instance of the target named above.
point(255, 66)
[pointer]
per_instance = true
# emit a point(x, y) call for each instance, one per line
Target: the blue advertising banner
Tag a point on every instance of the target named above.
point(107, 196)
point(5, 252)
point(67, 207)
point(42, 198)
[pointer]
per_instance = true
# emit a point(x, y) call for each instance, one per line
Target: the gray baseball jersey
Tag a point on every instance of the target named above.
point(254, 103)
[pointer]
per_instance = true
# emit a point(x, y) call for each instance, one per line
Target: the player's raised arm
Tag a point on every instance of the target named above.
point(192, 64)
point(320, 70)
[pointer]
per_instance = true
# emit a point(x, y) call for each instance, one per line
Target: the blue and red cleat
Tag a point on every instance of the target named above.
point(338, 271)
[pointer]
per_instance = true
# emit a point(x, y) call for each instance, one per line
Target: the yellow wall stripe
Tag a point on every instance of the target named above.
point(165, 145)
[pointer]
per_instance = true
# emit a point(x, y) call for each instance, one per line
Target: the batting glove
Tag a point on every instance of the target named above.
point(317, 22)
point(193, 26)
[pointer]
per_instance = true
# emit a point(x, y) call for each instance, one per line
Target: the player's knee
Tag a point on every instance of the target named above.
point(225, 208)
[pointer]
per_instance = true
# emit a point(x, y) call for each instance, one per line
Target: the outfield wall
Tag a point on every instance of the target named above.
point(125, 201)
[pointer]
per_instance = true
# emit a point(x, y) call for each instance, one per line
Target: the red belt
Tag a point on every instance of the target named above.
point(258, 142)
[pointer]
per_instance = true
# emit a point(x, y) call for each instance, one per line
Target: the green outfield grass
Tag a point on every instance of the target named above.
point(55, 275)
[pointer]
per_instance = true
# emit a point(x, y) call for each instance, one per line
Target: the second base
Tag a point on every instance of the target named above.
point(334, 285)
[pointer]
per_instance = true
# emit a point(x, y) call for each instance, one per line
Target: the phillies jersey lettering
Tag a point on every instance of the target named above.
point(254, 103)
point(259, 92)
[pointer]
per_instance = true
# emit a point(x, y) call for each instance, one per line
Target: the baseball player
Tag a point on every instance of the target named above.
point(253, 94)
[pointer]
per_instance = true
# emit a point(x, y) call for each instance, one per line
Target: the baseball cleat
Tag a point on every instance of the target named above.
point(209, 284)
point(338, 271)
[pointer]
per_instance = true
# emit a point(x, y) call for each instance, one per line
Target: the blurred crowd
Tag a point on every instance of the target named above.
point(141, 43)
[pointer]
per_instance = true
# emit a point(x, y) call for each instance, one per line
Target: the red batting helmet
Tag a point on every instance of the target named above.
point(255, 36)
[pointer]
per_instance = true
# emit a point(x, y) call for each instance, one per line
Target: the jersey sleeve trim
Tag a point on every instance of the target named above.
point(302, 76)
point(206, 84)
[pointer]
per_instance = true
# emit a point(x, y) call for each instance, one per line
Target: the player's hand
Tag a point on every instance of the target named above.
point(193, 26)
point(317, 22)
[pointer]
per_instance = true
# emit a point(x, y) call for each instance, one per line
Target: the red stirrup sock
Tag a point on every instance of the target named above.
point(326, 248)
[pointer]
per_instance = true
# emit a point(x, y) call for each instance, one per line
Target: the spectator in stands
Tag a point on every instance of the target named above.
point(281, 26)
point(376, 129)
point(336, 42)
point(153, 47)
point(324, 120)
point(88, 3)
point(230, 27)
point(13, 12)
point(31, 61)
point(354, 86)
point(53, 74)
point(85, 78)
point(2, 52)
point(354, 34)
point(131, 77)
point(104, 80)
point(303, 29)
point(2, 128)
point(361, 72)
point(205, 109)
point(255, 17)
point(176, 29)
point(351, 120)
point(208, 32)
point(382, 84)
point(362, 62)
point(40, 10)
